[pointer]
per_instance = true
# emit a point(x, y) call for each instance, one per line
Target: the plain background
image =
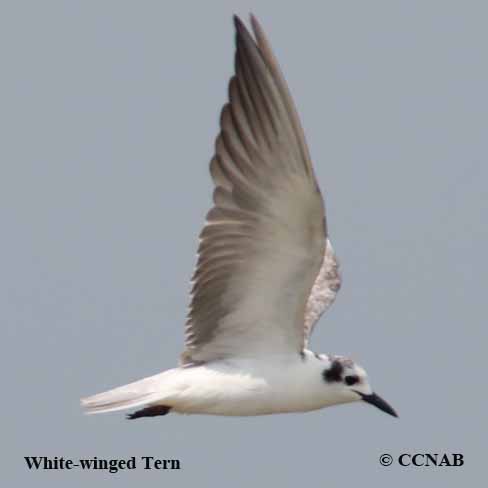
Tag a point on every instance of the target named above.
point(108, 113)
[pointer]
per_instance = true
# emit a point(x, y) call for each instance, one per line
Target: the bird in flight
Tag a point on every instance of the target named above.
point(266, 270)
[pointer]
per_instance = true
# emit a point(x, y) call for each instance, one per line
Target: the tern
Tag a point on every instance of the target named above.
point(266, 270)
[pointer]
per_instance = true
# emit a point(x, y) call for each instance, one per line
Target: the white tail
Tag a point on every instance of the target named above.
point(142, 392)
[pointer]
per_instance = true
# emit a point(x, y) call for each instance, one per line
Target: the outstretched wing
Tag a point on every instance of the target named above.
point(260, 282)
point(324, 291)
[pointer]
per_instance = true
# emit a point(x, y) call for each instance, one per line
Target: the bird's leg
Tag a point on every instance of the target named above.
point(153, 411)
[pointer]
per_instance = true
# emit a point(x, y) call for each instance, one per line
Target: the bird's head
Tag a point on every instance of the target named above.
point(349, 382)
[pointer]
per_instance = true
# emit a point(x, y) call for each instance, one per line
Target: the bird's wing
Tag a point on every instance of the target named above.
point(260, 280)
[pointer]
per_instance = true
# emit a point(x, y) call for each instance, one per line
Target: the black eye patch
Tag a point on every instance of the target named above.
point(334, 373)
point(351, 380)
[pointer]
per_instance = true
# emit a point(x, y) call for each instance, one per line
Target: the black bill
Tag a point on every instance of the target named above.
point(377, 401)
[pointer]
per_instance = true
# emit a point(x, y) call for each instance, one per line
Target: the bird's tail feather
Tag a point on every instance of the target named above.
point(142, 392)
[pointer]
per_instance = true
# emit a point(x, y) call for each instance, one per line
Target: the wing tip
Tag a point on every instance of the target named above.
point(256, 26)
point(238, 24)
point(241, 29)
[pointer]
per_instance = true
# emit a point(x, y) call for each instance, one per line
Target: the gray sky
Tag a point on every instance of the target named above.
point(108, 113)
